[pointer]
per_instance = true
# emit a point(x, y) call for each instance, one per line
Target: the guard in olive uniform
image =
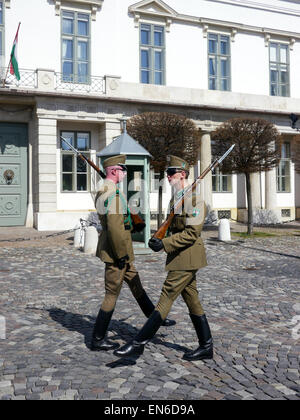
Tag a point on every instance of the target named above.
point(185, 255)
point(115, 250)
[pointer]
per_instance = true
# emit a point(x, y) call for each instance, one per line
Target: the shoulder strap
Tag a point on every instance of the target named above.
point(109, 200)
point(125, 206)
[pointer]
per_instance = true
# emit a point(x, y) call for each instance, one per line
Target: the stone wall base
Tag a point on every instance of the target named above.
point(58, 220)
point(263, 216)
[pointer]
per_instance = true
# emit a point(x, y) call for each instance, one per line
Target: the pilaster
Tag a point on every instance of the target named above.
point(205, 161)
point(270, 190)
point(47, 170)
point(112, 130)
point(256, 190)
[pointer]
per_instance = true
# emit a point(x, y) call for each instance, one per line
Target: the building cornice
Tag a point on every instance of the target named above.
point(91, 5)
point(29, 97)
point(158, 10)
point(260, 5)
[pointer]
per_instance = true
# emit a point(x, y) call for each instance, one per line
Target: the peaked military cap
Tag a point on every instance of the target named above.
point(114, 161)
point(178, 163)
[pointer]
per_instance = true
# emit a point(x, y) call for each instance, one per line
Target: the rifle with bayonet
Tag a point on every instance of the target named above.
point(178, 205)
point(137, 222)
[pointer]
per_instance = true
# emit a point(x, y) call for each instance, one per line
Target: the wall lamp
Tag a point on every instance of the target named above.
point(294, 119)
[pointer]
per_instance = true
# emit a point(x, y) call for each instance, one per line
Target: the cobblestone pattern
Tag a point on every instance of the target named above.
point(50, 297)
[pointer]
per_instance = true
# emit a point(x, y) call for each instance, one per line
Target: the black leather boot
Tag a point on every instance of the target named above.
point(136, 347)
point(205, 350)
point(99, 340)
point(147, 307)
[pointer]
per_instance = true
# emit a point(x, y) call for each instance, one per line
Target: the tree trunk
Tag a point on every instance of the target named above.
point(249, 199)
point(160, 196)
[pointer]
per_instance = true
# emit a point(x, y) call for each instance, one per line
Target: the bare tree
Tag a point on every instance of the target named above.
point(163, 134)
point(257, 150)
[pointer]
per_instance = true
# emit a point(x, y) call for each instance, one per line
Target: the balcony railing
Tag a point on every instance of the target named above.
point(28, 79)
point(50, 80)
point(85, 84)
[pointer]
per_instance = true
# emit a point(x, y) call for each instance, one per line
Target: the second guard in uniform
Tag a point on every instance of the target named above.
point(185, 255)
point(116, 251)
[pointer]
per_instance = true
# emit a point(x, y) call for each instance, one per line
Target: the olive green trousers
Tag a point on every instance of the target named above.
point(176, 283)
point(114, 278)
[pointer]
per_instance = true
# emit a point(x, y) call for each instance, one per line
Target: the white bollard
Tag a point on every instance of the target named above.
point(91, 240)
point(77, 236)
point(224, 230)
point(2, 328)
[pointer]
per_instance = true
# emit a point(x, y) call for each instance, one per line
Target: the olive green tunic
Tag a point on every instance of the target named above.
point(115, 239)
point(185, 247)
point(185, 255)
point(114, 243)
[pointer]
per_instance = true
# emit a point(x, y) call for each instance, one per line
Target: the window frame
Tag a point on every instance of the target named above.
point(219, 177)
point(218, 78)
point(74, 171)
point(287, 162)
point(152, 48)
point(278, 85)
point(76, 38)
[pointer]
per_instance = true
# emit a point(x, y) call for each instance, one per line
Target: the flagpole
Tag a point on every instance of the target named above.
point(4, 80)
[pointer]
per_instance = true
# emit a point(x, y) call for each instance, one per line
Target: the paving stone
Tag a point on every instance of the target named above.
point(46, 353)
point(5, 384)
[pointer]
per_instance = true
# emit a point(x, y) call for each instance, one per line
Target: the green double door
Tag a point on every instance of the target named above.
point(13, 174)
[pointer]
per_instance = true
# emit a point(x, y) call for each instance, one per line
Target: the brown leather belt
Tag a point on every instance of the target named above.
point(127, 227)
point(176, 231)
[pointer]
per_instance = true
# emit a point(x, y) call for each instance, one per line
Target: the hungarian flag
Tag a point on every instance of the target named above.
point(14, 66)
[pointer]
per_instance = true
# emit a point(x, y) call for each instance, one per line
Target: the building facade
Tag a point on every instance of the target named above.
point(86, 64)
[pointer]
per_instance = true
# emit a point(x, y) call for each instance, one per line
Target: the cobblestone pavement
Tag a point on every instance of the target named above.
point(50, 296)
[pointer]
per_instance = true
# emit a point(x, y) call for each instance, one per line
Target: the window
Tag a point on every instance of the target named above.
point(1, 35)
point(152, 54)
point(75, 47)
point(218, 62)
point(75, 172)
point(220, 182)
point(279, 70)
point(224, 214)
point(285, 212)
point(283, 170)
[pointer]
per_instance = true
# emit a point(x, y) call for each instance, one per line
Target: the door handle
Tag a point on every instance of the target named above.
point(9, 176)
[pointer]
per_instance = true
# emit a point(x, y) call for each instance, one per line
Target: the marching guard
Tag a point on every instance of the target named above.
point(116, 251)
point(185, 256)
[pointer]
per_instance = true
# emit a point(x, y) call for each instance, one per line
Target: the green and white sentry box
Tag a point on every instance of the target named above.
point(138, 164)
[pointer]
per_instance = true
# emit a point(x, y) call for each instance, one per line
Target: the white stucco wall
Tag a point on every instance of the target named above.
point(297, 190)
point(249, 64)
point(294, 70)
point(226, 200)
point(39, 35)
point(186, 57)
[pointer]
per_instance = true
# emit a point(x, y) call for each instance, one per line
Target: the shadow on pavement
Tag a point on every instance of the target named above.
point(84, 324)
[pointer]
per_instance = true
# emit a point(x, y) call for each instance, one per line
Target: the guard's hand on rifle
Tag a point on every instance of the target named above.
point(121, 262)
point(155, 244)
point(138, 227)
